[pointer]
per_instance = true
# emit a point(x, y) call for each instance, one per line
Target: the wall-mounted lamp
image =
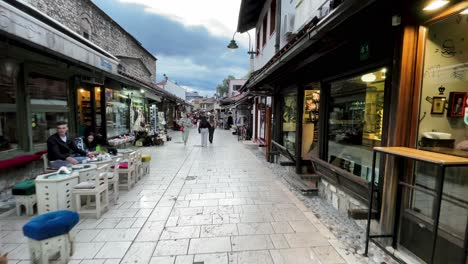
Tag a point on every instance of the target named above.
point(435, 4)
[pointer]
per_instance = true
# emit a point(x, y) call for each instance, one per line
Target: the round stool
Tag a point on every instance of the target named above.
point(49, 234)
point(25, 195)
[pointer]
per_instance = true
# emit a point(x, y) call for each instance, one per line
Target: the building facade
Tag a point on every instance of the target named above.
point(338, 92)
point(55, 66)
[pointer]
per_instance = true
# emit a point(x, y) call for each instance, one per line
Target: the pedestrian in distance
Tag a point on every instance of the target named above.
point(212, 121)
point(185, 124)
point(203, 129)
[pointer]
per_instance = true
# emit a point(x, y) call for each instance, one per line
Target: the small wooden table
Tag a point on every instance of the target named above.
point(54, 191)
point(442, 161)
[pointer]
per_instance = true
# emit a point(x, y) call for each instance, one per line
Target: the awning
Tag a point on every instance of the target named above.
point(32, 30)
point(153, 96)
point(248, 14)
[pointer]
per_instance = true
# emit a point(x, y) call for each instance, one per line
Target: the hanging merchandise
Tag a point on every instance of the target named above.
point(154, 119)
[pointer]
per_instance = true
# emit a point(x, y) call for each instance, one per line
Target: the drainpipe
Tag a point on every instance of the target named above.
point(278, 26)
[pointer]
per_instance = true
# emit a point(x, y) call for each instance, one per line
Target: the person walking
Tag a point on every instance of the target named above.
point(203, 129)
point(212, 121)
point(185, 123)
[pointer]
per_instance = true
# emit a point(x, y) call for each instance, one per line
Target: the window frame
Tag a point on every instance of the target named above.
point(264, 30)
point(325, 105)
point(272, 17)
point(258, 42)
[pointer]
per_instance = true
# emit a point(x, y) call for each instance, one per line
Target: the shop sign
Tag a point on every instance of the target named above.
point(106, 64)
point(364, 51)
point(31, 30)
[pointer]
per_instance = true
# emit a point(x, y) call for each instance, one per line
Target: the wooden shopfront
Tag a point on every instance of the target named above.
point(429, 115)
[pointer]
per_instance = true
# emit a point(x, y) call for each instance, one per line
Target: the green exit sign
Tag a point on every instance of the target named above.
point(364, 51)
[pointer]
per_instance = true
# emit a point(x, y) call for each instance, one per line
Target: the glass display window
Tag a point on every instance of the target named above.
point(442, 127)
point(8, 123)
point(310, 120)
point(117, 113)
point(289, 121)
point(49, 104)
point(356, 107)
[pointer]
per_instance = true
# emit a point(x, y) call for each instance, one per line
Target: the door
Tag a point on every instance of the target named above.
point(89, 112)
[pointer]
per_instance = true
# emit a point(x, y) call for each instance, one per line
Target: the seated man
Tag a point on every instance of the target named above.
point(61, 150)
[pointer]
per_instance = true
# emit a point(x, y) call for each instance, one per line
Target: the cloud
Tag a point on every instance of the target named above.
point(190, 54)
point(189, 73)
point(218, 17)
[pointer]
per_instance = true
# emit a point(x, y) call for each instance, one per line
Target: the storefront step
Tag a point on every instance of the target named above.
point(361, 213)
point(306, 186)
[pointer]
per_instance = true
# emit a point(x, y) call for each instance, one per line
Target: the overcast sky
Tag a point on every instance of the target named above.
point(188, 37)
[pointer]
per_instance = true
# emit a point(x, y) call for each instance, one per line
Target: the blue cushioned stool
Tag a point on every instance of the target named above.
point(49, 234)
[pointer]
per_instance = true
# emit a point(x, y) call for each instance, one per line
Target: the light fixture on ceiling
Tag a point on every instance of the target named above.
point(370, 77)
point(383, 73)
point(434, 5)
point(464, 12)
point(81, 90)
point(142, 91)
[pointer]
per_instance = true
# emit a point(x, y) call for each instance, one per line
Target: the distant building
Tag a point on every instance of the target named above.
point(205, 104)
point(192, 95)
point(234, 86)
point(172, 87)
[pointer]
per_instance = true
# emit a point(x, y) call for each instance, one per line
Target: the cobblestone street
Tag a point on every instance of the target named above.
point(220, 204)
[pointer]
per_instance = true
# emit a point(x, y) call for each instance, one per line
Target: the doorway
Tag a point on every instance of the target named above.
point(89, 114)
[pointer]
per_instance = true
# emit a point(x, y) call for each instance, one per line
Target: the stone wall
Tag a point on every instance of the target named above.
point(338, 198)
point(105, 32)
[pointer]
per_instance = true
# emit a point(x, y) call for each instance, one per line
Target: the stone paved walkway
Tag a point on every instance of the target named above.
point(199, 205)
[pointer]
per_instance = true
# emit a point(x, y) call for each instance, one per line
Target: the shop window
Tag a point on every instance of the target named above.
point(49, 104)
point(355, 121)
point(443, 127)
point(289, 121)
point(8, 123)
point(44, 124)
point(117, 113)
point(310, 120)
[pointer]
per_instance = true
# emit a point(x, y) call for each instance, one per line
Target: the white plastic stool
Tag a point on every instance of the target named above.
point(28, 201)
point(43, 250)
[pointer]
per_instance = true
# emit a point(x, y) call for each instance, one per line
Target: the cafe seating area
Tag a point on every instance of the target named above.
point(84, 188)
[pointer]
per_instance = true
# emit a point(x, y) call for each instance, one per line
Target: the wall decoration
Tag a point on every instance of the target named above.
point(457, 102)
point(438, 105)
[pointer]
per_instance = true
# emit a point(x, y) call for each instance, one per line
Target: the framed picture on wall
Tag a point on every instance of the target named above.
point(457, 103)
point(438, 105)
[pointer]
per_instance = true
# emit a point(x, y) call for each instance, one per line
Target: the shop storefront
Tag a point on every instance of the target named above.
point(434, 72)
point(117, 112)
point(355, 121)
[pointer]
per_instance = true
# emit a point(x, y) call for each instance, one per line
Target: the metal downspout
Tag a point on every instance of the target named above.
point(278, 25)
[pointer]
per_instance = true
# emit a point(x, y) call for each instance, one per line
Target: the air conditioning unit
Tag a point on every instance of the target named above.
point(288, 25)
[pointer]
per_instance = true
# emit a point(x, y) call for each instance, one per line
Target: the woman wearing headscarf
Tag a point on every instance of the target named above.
point(185, 123)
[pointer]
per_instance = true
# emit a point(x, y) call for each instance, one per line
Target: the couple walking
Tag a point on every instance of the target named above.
point(206, 128)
